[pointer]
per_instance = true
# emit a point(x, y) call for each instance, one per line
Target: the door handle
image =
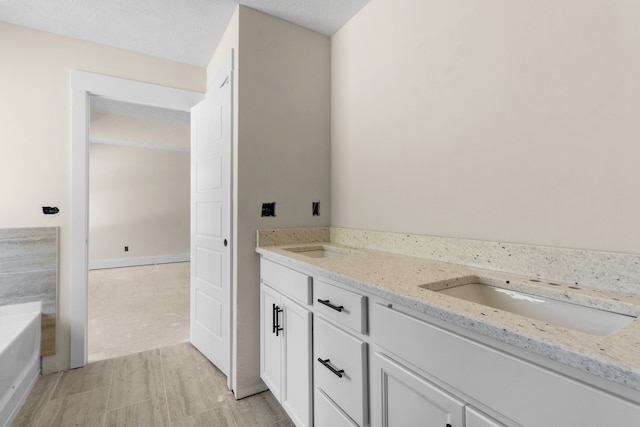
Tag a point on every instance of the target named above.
point(225, 243)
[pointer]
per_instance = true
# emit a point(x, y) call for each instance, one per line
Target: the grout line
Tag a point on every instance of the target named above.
point(106, 403)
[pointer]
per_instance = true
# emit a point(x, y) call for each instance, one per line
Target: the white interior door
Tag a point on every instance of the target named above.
point(211, 139)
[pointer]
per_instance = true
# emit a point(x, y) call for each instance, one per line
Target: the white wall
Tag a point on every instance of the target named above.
point(493, 120)
point(281, 153)
point(139, 197)
point(35, 136)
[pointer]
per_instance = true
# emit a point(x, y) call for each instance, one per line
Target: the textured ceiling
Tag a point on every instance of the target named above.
point(180, 30)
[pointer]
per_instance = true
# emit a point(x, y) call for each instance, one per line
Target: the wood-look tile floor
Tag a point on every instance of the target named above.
point(170, 386)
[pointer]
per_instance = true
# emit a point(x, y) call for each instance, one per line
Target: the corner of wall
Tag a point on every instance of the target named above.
point(230, 40)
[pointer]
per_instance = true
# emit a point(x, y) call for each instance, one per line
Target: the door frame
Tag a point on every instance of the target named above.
point(83, 85)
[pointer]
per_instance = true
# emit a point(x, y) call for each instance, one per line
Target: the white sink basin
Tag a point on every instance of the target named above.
point(573, 316)
point(320, 251)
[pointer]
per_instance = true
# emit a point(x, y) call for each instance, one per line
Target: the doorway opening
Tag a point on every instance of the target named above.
point(139, 226)
point(84, 85)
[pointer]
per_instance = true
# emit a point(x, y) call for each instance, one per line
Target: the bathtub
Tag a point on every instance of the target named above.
point(19, 356)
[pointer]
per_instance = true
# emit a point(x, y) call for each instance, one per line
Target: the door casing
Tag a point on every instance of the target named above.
point(84, 85)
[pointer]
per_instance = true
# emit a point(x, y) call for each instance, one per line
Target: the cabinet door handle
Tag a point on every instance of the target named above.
point(273, 319)
point(328, 304)
point(326, 364)
point(276, 321)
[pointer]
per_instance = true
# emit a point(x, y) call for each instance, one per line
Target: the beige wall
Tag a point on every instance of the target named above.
point(138, 197)
point(508, 121)
point(35, 136)
point(281, 153)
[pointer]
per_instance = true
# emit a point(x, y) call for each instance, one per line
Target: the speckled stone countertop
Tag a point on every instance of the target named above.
point(398, 278)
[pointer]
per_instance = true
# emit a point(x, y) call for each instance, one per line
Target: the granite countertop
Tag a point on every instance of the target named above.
point(398, 278)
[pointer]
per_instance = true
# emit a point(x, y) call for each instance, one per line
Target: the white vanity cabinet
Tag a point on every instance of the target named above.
point(518, 392)
point(374, 363)
point(286, 339)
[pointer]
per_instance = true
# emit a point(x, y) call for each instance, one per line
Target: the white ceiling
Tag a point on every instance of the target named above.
point(186, 31)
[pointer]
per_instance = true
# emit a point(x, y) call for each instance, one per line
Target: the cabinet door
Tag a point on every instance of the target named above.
point(270, 343)
point(296, 392)
point(402, 398)
point(476, 418)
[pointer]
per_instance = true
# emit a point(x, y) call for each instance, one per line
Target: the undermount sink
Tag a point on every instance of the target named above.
point(581, 318)
point(320, 251)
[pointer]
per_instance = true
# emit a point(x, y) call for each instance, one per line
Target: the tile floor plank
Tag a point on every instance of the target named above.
point(220, 417)
point(190, 395)
point(260, 410)
point(152, 412)
point(93, 376)
point(37, 400)
point(86, 409)
point(172, 386)
point(136, 379)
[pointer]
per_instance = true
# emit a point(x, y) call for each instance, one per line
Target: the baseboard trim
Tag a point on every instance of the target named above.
point(131, 262)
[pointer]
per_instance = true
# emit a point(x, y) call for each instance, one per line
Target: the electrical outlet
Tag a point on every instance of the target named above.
point(126, 248)
point(269, 209)
point(315, 208)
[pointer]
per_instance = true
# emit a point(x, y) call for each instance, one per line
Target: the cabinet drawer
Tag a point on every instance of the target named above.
point(327, 414)
point(475, 418)
point(346, 355)
point(345, 307)
point(291, 283)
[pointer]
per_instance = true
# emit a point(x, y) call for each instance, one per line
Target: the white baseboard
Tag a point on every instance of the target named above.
point(131, 262)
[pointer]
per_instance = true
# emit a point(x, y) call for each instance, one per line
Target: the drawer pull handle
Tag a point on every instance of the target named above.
point(328, 304)
point(326, 364)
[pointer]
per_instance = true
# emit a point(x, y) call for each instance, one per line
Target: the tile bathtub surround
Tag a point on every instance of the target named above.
point(171, 386)
point(291, 236)
point(603, 270)
point(29, 272)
